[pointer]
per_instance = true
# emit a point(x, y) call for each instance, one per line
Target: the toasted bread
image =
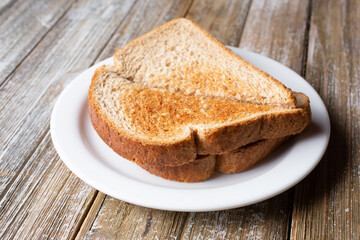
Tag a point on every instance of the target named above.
point(199, 170)
point(176, 93)
point(181, 56)
point(236, 161)
point(203, 167)
point(161, 128)
point(245, 157)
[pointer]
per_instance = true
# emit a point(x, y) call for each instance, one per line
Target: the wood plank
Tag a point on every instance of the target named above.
point(39, 196)
point(120, 220)
point(265, 32)
point(5, 5)
point(28, 96)
point(90, 216)
point(223, 19)
point(23, 25)
point(145, 16)
point(268, 34)
point(258, 221)
point(38, 125)
point(327, 204)
point(45, 200)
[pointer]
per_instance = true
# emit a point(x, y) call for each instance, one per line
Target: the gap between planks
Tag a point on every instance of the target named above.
point(24, 163)
point(97, 58)
point(6, 5)
point(303, 74)
point(91, 210)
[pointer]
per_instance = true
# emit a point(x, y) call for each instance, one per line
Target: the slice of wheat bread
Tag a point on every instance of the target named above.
point(181, 56)
point(158, 127)
point(235, 161)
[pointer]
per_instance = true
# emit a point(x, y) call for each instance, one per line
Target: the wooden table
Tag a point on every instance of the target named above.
point(45, 44)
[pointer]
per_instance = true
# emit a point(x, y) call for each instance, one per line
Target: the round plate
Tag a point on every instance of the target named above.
point(85, 154)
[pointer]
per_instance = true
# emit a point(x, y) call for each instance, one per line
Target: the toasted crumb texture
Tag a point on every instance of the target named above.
point(239, 160)
point(199, 170)
point(164, 128)
point(181, 56)
point(149, 111)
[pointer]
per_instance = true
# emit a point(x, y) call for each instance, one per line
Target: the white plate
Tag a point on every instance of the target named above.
point(94, 162)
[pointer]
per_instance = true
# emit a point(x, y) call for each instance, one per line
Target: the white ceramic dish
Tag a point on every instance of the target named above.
point(94, 162)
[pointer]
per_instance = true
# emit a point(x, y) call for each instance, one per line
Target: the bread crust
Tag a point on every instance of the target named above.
point(273, 125)
point(203, 167)
point(246, 157)
point(162, 154)
point(199, 170)
point(166, 154)
point(289, 93)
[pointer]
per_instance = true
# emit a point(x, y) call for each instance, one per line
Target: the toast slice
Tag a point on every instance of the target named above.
point(246, 157)
point(157, 127)
point(236, 161)
point(182, 57)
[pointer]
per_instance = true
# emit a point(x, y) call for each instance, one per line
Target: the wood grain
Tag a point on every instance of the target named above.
point(223, 19)
point(23, 25)
point(39, 196)
point(45, 44)
point(120, 220)
point(267, 33)
point(5, 5)
point(254, 222)
point(30, 93)
point(144, 16)
point(327, 204)
point(45, 199)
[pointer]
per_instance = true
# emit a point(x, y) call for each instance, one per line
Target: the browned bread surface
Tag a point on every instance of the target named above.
point(245, 157)
point(163, 128)
point(181, 56)
point(235, 161)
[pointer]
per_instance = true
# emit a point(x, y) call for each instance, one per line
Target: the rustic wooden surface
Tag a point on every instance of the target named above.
point(45, 44)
